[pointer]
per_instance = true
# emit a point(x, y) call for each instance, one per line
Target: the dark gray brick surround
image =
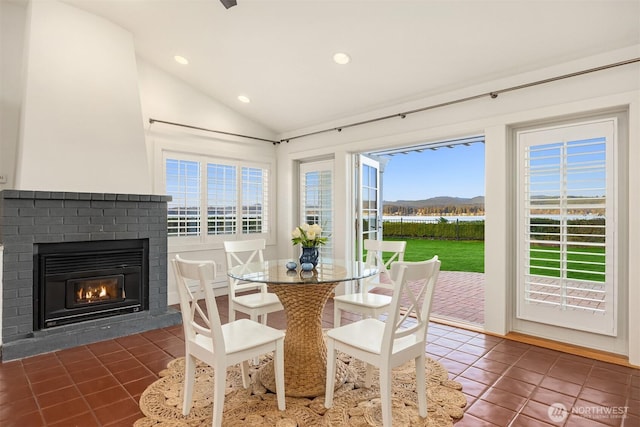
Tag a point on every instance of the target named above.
point(33, 217)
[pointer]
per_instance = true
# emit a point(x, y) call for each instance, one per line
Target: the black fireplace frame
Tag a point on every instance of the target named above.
point(56, 264)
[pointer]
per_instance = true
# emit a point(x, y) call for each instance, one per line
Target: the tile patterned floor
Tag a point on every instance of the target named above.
point(506, 383)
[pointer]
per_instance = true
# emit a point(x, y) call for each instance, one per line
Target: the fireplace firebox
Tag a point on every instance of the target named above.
point(79, 281)
point(95, 290)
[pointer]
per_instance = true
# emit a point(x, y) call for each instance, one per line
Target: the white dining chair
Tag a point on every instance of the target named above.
point(365, 302)
point(194, 284)
point(388, 344)
point(219, 345)
point(256, 304)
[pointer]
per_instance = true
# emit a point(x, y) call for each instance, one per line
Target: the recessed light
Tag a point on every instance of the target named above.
point(244, 99)
point(341, 58)
point(181, 60)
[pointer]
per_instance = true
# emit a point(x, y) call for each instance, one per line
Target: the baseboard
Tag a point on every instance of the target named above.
point(600, 355)
point(576, 350)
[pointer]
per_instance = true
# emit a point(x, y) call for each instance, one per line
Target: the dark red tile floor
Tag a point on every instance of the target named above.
point(506, 383)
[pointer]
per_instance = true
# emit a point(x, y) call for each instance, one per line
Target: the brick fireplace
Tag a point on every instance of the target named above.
point(88, 228)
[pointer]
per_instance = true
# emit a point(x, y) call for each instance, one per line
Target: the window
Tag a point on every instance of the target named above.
point(369, 209)
point(567, 225)
point(183, 185)
point(234, 196)
point(254, 200)
point(316, 193)
point(222, 199)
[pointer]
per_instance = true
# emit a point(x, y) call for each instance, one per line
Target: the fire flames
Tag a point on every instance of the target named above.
point(90, 294)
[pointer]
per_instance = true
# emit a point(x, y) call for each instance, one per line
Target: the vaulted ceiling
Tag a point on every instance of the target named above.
point(279, 52)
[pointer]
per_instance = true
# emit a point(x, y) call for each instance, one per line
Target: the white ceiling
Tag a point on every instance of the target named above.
point(279, 53)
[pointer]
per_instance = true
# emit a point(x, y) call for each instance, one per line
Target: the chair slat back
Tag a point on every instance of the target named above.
point(376, 249)
point(194, 320)
point(243, 252)
point(193, 282)
point(411, 302)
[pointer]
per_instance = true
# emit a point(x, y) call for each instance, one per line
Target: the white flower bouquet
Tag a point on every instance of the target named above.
point(308, 235)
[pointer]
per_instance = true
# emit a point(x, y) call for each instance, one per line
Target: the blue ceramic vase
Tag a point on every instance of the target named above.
point(309, 255)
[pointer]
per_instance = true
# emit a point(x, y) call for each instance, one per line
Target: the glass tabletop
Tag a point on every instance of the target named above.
point(276, 272)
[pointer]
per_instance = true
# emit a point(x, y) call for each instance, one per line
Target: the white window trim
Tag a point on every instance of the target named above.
point(205, 241)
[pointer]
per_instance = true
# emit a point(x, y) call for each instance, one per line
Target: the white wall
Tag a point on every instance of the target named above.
point(85, 105)
point(493, 118)
point(166, 98)
point(12, 20)
point(81, 125)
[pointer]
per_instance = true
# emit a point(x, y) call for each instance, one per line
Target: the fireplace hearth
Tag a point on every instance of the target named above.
point(79, 281)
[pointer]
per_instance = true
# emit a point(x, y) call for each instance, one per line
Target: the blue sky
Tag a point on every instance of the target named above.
point(455, 172)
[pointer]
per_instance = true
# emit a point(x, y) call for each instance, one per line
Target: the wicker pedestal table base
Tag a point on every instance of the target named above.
point(305, 351)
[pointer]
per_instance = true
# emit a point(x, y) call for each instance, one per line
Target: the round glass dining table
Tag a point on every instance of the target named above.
point(303, 295)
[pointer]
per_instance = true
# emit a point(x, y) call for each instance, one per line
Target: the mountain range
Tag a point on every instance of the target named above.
point(442, 205)
point(439, 201)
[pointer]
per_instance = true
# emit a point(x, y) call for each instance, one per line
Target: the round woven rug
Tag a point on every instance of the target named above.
point(354, 405)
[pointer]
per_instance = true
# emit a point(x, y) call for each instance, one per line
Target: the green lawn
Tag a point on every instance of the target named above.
point(586, 263)
point(455, 255)
point(465, 255)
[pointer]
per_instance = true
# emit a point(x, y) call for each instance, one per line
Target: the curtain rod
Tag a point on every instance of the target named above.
point(152, 121)
point(493, 94)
